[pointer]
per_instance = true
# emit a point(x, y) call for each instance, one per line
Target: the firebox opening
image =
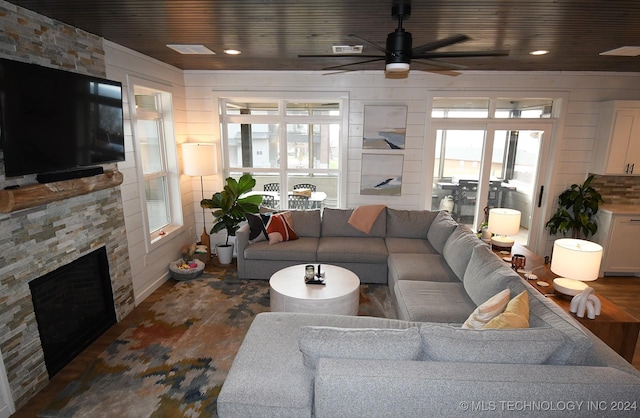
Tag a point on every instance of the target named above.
point(73, 306)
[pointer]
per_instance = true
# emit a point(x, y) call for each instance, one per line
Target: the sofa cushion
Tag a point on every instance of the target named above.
point(514, 346)
point(432, 301)
point(458, 248)
point(303, 249)
point(544, 313)
point(352, 250)
point(488, 310)
point(409, 223)
point(279, 227)
point(306, 222)
point(487, 275)
point(426, 267)
point(358, 343)
point(440, 229)
point(515, 315)
point(409, 245)
point(257, 231)
point(335, 223)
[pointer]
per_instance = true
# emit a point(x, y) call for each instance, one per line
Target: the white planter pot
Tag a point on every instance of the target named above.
point(225, 253)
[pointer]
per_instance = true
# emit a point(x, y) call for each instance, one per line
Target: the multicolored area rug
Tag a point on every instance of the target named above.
point(174, 363)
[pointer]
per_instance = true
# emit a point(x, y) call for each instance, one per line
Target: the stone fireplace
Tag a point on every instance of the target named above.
point(37, 241)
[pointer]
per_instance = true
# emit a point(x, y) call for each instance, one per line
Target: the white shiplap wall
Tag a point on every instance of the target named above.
point(197, 121)
point(573, 133)
point(149, 266)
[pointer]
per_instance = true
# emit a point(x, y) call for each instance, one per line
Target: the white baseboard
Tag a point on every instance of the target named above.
point(139, 297)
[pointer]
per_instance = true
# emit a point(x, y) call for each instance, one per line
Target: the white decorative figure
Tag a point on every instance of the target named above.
point(585, 302)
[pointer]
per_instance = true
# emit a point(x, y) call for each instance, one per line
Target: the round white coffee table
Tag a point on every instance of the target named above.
point(340, 295)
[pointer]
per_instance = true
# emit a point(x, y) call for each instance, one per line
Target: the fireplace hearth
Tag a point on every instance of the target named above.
point(73, 306)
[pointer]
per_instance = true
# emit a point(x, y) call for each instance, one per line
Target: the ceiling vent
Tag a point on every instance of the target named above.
point(624, 51)
point(347, 49)
point(191, 49)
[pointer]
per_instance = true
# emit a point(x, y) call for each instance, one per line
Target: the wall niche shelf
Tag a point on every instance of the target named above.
point(33, 195)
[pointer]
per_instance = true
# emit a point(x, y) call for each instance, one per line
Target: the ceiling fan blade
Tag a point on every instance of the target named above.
point(371, 44)
point(336, 67)
point(340, 56)
point(463, 54)
point(451, 40)
point(438, 64)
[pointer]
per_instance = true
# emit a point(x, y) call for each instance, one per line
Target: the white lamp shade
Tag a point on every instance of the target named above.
point(504, 221)
point(576, 259)
point(199, 159)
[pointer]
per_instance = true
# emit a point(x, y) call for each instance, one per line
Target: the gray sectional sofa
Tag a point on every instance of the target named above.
point(423, 363)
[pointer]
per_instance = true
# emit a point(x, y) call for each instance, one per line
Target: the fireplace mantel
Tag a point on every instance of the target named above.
point(40, 194)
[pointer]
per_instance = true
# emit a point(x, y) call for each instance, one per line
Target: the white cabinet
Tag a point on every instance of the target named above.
point(617, 148)
point(619, 235)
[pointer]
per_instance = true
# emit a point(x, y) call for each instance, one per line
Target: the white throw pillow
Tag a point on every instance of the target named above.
point(488, 310)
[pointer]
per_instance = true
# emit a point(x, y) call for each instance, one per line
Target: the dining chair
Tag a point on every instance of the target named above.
point(272, 187)
point(304, 186)
point(268, 201)
point(298, 202)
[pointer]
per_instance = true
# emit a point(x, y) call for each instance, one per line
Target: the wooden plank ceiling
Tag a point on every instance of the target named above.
point(272, 33)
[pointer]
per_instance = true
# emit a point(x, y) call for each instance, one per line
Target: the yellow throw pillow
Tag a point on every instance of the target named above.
point(488, 310)
point(515, 315)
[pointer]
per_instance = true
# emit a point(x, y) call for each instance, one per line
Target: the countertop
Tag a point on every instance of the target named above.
point(620, 209)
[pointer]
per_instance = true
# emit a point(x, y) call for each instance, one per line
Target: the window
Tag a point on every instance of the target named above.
point(156, 158)
point(286, 142)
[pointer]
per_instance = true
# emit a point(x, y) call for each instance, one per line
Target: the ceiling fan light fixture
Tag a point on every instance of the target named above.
point(397, 67)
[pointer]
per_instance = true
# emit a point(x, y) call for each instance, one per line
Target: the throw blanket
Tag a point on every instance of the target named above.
point(363, 217)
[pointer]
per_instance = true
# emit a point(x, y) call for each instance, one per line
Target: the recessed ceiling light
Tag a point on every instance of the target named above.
point(624, 51)
point(232, 52)
point(539, 52)
point(347, 49)
point(191, 49)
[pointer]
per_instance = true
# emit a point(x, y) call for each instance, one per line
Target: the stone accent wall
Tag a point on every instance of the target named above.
point(36, 241)
point(618, 189)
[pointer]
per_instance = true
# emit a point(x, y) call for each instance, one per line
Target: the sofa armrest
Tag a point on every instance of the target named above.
point(384, 388)
point(242, 242)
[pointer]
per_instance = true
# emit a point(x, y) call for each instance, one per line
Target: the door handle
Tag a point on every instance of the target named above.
point(540, 196)
point(632, 165)
point(626, 169)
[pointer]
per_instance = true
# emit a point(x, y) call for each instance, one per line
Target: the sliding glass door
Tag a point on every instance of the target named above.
point(489, 152)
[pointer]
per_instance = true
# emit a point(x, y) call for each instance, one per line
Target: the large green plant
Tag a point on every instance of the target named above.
point(576, 207)
point(231, 208)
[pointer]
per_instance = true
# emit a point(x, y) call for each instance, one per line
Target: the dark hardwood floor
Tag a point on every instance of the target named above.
point(624, 291)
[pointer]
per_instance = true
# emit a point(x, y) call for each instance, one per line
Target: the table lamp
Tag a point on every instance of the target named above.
point(503, 222)
point(199, 159)
point(577, 261)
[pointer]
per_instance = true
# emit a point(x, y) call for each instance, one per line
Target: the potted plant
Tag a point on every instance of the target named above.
point(230, 211)
point(577, 205)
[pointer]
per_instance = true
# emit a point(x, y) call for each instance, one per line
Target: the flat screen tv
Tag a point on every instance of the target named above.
point(53, 120)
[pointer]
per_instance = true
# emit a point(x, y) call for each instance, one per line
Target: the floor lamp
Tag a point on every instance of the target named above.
point(200, 160)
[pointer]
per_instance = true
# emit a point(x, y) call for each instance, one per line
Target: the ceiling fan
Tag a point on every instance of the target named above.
point(399, 53)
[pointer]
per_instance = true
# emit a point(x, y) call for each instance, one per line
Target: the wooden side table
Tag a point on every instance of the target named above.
point(618, 329)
